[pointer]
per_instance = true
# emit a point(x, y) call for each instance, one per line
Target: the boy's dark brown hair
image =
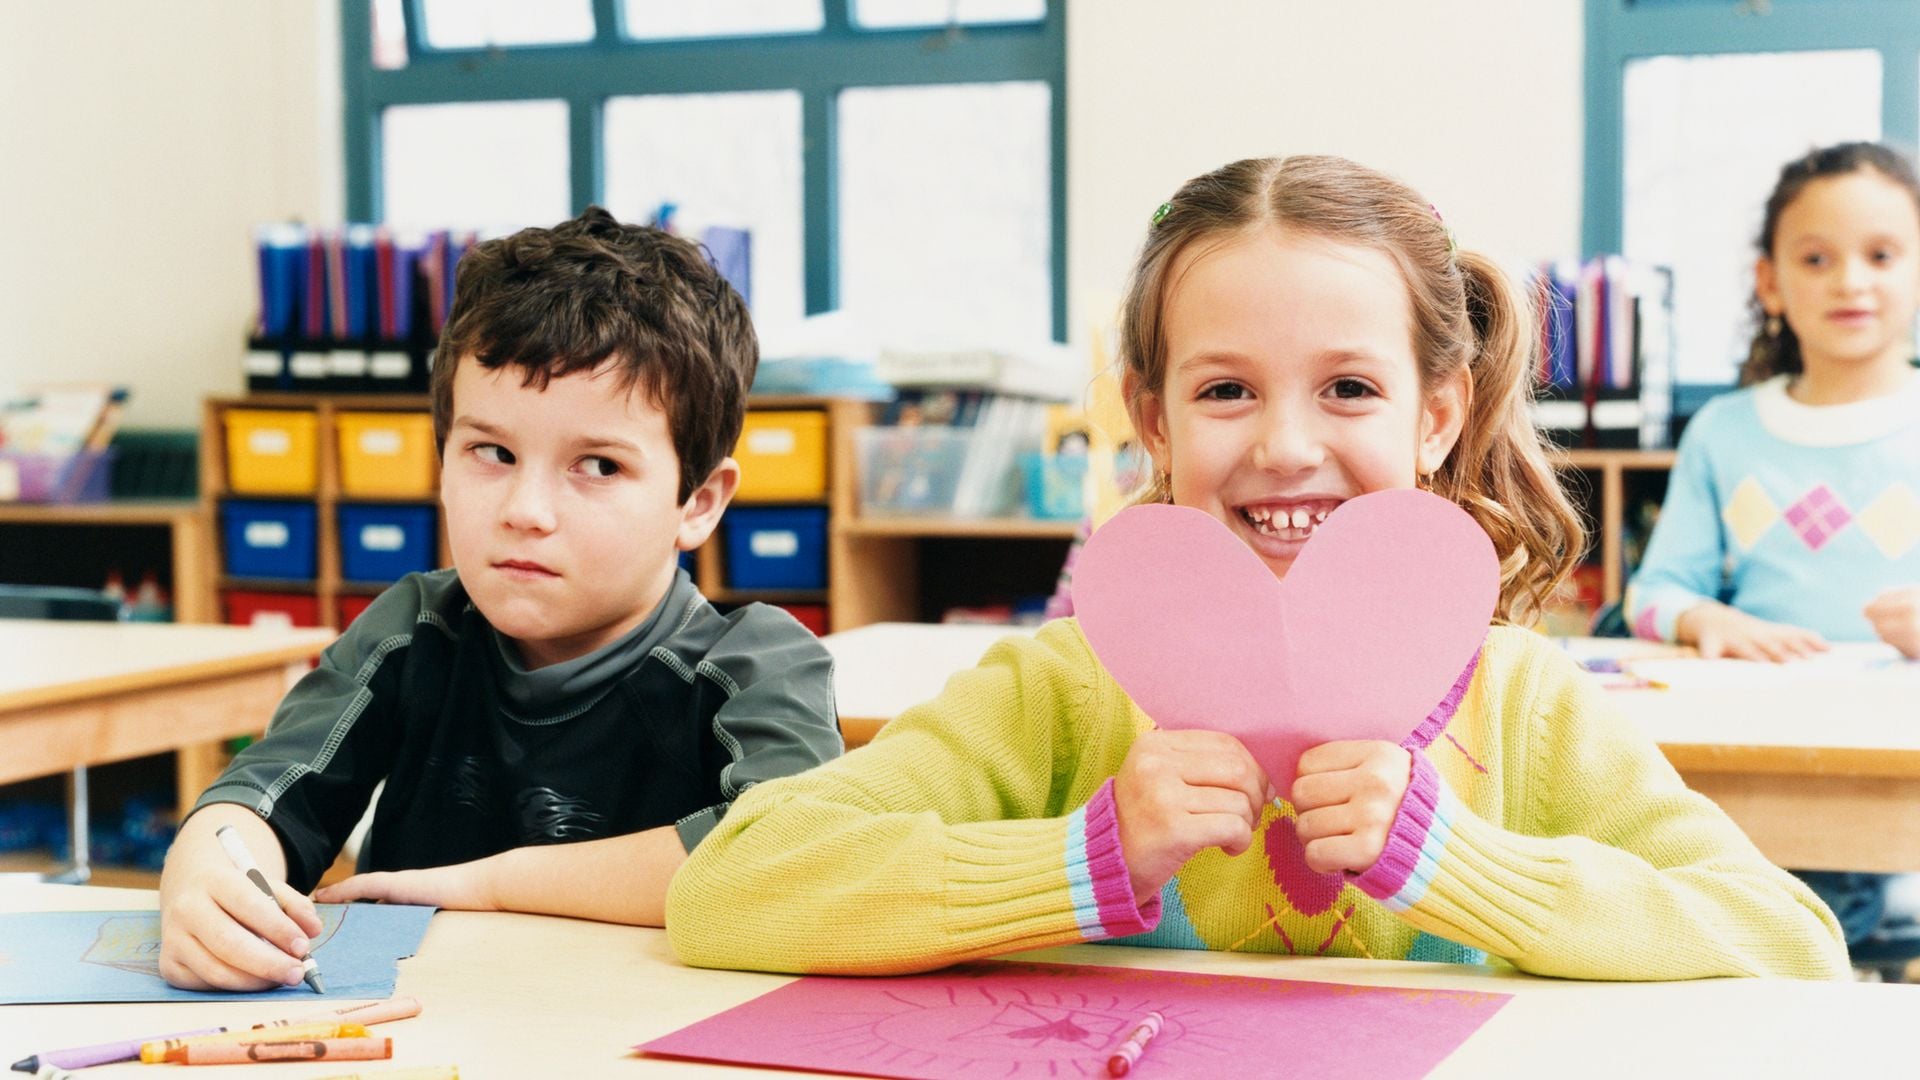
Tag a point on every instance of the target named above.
point(567, 299)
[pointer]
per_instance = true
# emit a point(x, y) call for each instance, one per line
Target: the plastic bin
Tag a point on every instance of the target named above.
point(1055, 485)
point(350, 608)
point(386, 453)
point(269, 539)
point(81, 477)
point(248, 608)
point(811, 616)
point(907, 471)
point(271, 452)
point(777, 548)
point(385, 543)
point(782, 455)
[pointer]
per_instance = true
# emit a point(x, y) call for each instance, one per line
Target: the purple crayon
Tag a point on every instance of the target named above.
point(85, 1057)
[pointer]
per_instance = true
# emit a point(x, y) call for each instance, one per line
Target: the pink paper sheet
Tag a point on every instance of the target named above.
point(1013, 1019)
point(1376, 618)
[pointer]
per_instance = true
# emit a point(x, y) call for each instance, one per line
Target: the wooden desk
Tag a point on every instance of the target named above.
point(83, 693)
point(524, 996)
point(1823, 775)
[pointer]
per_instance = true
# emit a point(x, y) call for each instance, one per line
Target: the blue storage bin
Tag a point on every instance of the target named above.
point(386, 543)
point(269, 539)
point(777, 547)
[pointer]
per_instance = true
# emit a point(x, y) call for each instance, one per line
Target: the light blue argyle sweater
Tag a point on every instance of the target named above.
point(1794, 513)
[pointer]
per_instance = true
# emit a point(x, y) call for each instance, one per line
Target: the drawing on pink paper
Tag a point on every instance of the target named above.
point(1378, 616)
point(1011, 1019)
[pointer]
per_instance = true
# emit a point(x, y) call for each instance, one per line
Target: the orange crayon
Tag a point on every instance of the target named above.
point(292, 1050)
point(174, 1049)
point(373, 1012)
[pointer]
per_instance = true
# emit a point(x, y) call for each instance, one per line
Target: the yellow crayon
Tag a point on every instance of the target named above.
point(430, 1072)
point(160, 1050)
point(423, 1073)
point(373, 1012)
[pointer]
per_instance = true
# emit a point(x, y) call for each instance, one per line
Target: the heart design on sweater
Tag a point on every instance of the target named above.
point(1378, 615)
point(1310, 893)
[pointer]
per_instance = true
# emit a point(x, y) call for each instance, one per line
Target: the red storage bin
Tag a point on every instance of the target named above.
point(351, 607)
point(287, 609)
point(811, 616)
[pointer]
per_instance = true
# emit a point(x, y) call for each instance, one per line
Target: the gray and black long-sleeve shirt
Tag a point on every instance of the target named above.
point(665, 726)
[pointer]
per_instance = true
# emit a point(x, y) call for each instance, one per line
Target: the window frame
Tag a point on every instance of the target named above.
point(1618, 31)
point(584, 75)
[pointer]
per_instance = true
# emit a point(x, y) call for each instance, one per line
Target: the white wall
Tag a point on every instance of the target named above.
point(139, 144)
point(1477, 103)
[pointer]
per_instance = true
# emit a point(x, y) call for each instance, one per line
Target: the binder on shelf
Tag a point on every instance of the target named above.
point(1605, 353)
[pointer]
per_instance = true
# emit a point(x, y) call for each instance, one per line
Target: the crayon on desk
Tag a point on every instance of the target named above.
point(243, 860)
point(175, 1049)
point(294, 1050)
point(1128, 1053)
point(85, 1057)
point(423, 1073)
point(373, 1012)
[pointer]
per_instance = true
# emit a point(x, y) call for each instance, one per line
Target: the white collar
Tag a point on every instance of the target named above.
point(1835, 425)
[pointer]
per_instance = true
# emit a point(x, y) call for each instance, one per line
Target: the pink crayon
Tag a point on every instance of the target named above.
point(1128, 1053)
point(373, 1012)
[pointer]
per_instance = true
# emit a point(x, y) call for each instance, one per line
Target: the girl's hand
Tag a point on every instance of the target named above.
point(462, 887)
point(1347, 795)
point(1895, 615)
point(1179, 793)
point(1718, 630)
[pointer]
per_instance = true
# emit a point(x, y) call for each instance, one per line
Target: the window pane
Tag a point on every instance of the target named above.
point(719, 18)
point(1705, 139)
point(888, 13)
point(945, 227)
point(721, 159)
point(389, 35)
point(492, 165)
point(473, 24)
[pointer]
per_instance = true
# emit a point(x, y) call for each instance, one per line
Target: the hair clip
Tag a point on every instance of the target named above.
point(1160, 212)
point(1453, 242)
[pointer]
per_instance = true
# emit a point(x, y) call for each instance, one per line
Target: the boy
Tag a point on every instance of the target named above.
point(565, 681)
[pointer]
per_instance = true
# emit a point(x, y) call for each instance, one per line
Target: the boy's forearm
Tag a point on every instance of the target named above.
point(622, 879)
point(259, 837)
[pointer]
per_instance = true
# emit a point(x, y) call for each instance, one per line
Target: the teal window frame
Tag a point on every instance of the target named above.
point(818, 64)
point(1621, 30)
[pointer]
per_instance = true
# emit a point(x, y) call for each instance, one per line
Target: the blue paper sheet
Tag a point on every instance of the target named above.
point(61, 957)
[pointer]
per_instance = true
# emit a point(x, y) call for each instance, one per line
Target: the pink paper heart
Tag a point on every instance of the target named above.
point(1377, 617)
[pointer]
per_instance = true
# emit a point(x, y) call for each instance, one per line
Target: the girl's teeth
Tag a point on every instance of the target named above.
point(1300, 519)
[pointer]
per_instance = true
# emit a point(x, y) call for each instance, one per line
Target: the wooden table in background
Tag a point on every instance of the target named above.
point(86, 693)
point(1823, 775)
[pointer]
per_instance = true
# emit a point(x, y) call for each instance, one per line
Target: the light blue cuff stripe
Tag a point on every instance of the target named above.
point(1427, 866)
point(1086, 909)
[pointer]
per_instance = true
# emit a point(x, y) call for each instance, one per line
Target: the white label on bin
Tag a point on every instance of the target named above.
point(9, 481)
point(382, 442)
point(269, 442)
point(346, 363)
point(383, 537)
point(774, 544)
point(266, 534)
point(391, 365)
point(309, 365)
point(271, 620)
point(265, 364)
point(770, 441)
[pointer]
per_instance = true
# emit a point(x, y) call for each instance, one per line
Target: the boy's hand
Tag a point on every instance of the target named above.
point(1180, 792)
point(463, 887)
point(1718, 630)
point(1895, 615)
point(1347, 795)
point(213, 919)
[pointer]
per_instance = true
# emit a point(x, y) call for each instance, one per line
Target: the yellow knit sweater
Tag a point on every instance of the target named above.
point(1541, 830)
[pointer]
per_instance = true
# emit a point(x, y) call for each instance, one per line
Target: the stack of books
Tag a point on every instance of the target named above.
point(1606, 353)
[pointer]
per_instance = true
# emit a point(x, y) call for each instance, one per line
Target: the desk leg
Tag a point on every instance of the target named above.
point(195, 768)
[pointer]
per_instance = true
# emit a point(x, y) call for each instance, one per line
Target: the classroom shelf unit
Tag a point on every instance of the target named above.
point(1619, 472)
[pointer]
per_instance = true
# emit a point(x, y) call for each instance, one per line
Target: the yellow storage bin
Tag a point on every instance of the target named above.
point(271, 452)
point(386, 453)
point(782, 455)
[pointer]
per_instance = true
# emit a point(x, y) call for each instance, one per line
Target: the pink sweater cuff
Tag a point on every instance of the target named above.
point(1412, 827)
point(1097, 873)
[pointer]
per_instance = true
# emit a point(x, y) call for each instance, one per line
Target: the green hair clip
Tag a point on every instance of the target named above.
point(1160, 212)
